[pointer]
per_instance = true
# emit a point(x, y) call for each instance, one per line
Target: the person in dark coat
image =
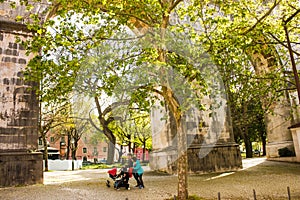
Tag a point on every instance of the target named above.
point(129, 160)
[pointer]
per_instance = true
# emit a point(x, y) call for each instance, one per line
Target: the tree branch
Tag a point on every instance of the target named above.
point(291, 17)
point(262, 18)
point(114, 106)
point(174, 5)
point(93, 123)
point(282, 43)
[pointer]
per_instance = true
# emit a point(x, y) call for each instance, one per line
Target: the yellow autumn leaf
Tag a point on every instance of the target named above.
point(40, 31)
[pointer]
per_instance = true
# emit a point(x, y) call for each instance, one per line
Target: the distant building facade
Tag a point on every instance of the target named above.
point(86, 150)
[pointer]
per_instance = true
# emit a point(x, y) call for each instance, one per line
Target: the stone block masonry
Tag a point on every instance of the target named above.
point(20, 164)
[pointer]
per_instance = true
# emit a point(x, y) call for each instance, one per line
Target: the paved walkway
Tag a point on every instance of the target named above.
point(269, 179)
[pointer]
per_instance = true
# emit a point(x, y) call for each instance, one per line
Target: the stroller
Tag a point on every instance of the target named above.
point(120, 179)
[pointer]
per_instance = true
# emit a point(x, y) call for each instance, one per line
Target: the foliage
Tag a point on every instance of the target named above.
point(52, 115)
point(100, 166)
point(245, 39)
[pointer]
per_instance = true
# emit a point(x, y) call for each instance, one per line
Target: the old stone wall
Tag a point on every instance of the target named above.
point(19, 163)
point(210, 144)
point(20, 168)
point(277, 123)
point(201, 159)
point(18, 111)
point(220, 158)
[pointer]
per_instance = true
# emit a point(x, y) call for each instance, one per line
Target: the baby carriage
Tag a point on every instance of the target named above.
point(120, 179)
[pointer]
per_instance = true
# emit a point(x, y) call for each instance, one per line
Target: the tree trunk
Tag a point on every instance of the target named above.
point(120, 153)
point(144, 150)
point(111, 152)
point(133, 149)
point(264, 144)
point(129, 146)
point(182, 162)
point(294, 66)
point(107, 132)
point(174, 106)
point(248, 144)
point(180, 130)
point(69, 148)
point(45, 152)
point(73, 155)
point(75, 149)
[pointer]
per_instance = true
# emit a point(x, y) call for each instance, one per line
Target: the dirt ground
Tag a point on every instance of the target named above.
point(269, 179)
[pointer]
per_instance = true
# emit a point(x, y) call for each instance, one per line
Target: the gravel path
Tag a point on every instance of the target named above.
point(269, 180)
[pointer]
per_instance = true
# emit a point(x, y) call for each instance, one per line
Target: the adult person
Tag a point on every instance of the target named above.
point(139, 171)
point(129, 165)
point(129, 160)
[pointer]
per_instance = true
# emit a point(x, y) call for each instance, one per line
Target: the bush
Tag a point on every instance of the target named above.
point(100, 166)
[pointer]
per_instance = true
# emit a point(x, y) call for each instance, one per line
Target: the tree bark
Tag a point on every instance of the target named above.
point(107, 132)
point(248, 144)
point(120, 153)
point(69, 147)
point(294, 67)
point(144, 150)
point(45, 152)
point(182, 162)
point(264, 144)
point(111, 151)
point(174, 106)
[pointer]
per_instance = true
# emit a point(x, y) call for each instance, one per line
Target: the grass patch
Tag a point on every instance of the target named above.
point(100, 166)
point(105, 166)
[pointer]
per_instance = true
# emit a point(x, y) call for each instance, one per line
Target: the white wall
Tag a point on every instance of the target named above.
point(62, 165)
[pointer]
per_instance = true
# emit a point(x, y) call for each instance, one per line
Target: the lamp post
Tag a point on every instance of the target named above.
point(72, 152)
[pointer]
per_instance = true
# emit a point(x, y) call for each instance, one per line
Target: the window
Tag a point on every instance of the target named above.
point(104, 149)
point(95, 153)
point(84, 149)
point(40, 141)
point(51, 139)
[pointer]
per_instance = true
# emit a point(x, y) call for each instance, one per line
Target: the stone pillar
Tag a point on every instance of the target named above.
point(210, 148)
point(20, 164)
point(295, 129)
point(277, 124)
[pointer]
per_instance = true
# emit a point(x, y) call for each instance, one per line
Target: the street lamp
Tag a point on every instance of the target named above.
point(72, 152)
